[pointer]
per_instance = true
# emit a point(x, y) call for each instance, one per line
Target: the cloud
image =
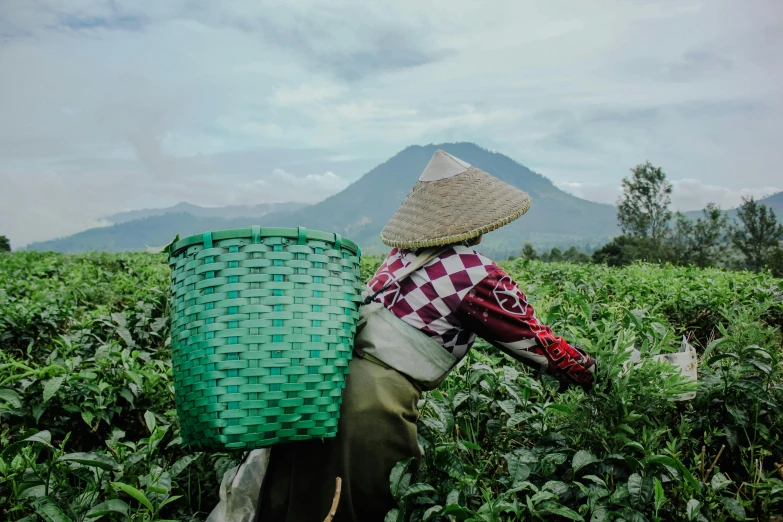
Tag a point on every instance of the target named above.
point(110, 105)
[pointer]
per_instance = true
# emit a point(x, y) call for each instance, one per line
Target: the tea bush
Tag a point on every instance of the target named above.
point(88, 429)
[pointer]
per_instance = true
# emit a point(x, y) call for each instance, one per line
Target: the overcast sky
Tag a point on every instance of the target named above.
point(108, 106)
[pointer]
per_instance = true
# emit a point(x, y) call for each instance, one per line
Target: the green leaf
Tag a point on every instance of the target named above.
point(660, 498)
point(51, 386)
point(169, 501)
point(415, 489)
point(635, 445)
point(135, 493)
point(109, 507)
point(125, 334)
point(517, 470)
point(11, 397)
point(516, 419)
point(640, 490)
point(508, 406)
point(565, 408)
point(395, 515)
point(734, 508)
point(600, 514)
point(38, 410)
point(119, 318)
point(631, 515)
point(149, 418)
point(710, 347)
point(181, 464)
point(434, 510)
point(42, 437)
point(92, 460)
point(48, 510)
point(676, 464)
point(444, 415)
point(555, 486)
point(469, 445)
point(448, 461)
point(88, 417)
point(564, 512)
point(459, 398)
point(127, 395)
point(581, 459)
point(719, 481)
point(395, 477)
point(693, 508)
point(595, 479)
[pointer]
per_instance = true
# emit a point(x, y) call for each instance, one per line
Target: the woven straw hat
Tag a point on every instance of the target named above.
point(452, 202)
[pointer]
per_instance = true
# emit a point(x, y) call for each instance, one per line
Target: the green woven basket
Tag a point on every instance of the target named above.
point(262, 327)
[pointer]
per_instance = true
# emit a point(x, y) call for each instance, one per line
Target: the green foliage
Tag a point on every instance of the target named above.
point(701, 243)
point(528, 252)
point(86, 404)
point(643, 209)
point(757, 234)
point(88, 429)
point(501, 444)
point(5, 244)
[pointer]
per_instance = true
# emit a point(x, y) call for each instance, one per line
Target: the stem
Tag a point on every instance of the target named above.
point(337, 489)
point(703, 450)
point(723, 447)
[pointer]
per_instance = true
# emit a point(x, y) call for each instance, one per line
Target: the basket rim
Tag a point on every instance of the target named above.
point(287, 232)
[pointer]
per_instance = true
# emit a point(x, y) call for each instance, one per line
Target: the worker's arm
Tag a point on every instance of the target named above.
point(497, 310)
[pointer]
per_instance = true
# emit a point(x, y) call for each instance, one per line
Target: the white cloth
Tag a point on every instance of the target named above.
point(239, 489)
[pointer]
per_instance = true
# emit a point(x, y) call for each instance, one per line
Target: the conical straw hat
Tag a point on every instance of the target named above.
point(452, 202)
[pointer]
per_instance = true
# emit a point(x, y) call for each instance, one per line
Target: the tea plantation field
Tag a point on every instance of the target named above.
point(88, 429)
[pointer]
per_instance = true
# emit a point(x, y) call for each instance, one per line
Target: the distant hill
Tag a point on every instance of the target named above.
point(362, 209)
point(359, 212)
point(237, 211)
point(775, 202)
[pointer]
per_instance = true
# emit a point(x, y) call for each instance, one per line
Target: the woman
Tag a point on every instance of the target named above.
point(425, 306)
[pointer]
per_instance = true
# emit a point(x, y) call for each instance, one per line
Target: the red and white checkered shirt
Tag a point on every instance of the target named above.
point(460, 294)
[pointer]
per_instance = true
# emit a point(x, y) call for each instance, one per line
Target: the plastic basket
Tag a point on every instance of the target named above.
point(262, 327)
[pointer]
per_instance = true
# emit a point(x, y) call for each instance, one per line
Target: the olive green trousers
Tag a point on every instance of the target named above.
point(377, 429)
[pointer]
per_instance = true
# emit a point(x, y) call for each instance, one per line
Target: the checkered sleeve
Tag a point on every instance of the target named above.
point(497, 310)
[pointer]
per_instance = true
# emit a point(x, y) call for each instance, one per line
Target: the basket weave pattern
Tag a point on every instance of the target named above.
point(262, 334)
point(454, 209)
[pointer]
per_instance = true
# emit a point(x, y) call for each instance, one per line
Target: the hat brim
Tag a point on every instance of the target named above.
point(454, 209)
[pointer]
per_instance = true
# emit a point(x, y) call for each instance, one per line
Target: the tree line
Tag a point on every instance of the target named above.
point(652, 233)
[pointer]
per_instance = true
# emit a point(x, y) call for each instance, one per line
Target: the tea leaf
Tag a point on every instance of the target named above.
point(415, 489)
point(149, 419)
point(109, 507)
point(640, 490)
point(734, 508)
point(397, 473)
point(135, 493)
point(719, 481)
point(660, 498)
point(693, 508)
point(581, 459)
point(51, 386)
point(48, 510)
point(395, 515)
point(93, 460)
point(11, 397)
point(564, 512)
point(181, 464)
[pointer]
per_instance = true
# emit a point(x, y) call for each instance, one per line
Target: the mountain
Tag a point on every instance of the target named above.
point(556, 218)
point(255, 211)
point(774, 202)
point(359, 212)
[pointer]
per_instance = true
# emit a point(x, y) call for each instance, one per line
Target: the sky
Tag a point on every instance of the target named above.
point(107, 106)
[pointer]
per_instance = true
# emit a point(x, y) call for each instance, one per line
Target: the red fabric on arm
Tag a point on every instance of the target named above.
point(497, 311)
